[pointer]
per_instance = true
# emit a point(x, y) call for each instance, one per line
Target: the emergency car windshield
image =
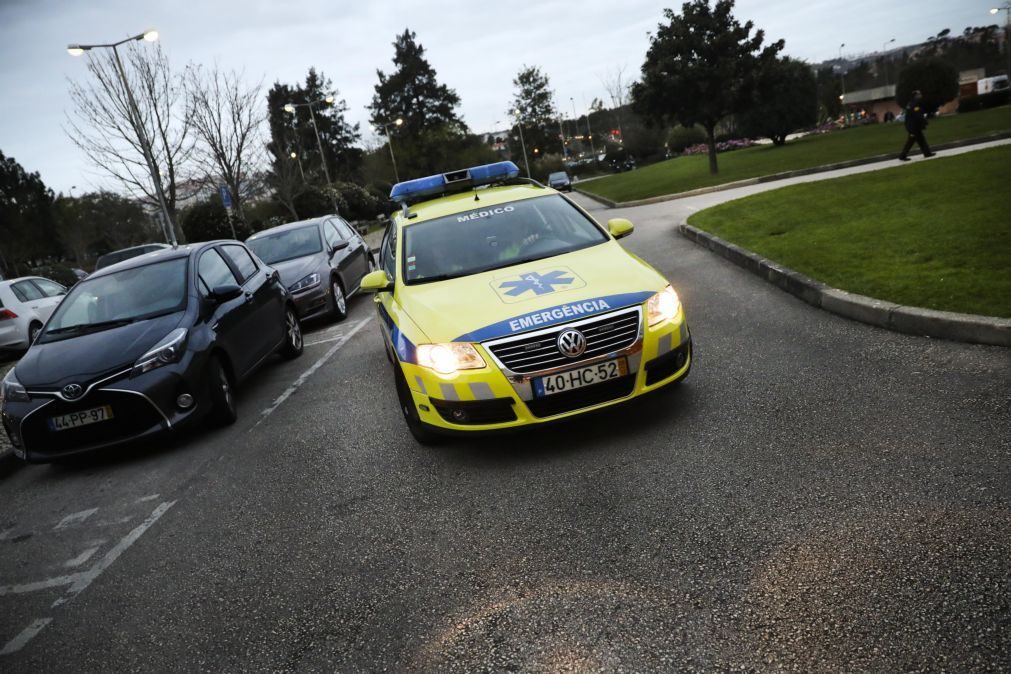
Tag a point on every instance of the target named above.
point(495, 236)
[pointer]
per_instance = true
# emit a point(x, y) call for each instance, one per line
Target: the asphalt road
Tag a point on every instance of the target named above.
point(819, 495)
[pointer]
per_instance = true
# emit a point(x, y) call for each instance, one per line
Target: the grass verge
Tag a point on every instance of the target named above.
point(933, 234)
point(692, 172)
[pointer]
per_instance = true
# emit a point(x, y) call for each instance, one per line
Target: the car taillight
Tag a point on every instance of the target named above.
point(7, 313)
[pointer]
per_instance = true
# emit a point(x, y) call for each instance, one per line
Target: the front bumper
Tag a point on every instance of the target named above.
point(496, 398)
point(142, 407)
point(312, 302)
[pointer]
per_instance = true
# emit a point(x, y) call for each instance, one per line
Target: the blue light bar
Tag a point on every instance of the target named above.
point(454, 181)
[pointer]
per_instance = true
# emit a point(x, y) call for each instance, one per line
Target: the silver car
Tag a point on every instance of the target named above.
point(25, 305)
point(321, 262)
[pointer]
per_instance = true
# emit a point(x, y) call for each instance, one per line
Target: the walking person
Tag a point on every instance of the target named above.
point(916, 122)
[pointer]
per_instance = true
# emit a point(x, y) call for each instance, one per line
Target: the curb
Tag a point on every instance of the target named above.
point(772, 177)
point(969, 328)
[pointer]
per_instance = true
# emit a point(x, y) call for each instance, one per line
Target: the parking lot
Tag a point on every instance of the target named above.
point(818, 495)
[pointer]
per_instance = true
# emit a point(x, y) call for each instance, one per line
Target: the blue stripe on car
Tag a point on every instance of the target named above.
point(553, 315)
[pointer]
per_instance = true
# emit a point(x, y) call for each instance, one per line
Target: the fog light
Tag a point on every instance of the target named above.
point(185, 401)
point(459, 416)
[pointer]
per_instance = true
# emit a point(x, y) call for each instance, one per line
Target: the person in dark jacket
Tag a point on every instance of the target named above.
point(916, 122)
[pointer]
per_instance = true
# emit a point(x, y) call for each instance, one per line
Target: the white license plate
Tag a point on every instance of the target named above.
point(583, 376)
point(82, 418)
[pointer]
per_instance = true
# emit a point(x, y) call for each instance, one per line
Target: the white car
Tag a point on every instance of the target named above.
point(25, 305)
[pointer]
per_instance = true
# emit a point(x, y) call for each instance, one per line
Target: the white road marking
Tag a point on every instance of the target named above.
point(18, 642)
point(324, 341)
point(81, 558)
point(75, 518)
point(308, 373)
point(85, 578)
point(142, 499)
point(38, 585)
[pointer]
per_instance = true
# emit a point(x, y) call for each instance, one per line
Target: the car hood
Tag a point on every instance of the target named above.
point(87, 357)
point(293, 271)
point(530, 296)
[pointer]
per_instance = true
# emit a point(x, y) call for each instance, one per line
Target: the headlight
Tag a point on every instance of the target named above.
point(663, 306)
point(310, 281)
point(168, 350)
point(448, 358)
point(12, 390)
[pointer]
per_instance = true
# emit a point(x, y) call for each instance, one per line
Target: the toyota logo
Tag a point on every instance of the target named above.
point(72, 391)
point(571, 343)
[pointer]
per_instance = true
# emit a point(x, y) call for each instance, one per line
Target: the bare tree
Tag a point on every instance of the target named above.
point(285, 178)
point(617, 86)
point(102, 126)
point(228, 119)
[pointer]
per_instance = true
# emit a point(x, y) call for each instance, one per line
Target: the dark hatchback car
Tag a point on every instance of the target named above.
point(321, 261)
point(147, 345)
point(560, 181)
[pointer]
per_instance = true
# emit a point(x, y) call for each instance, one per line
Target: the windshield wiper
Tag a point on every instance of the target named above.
point(81, 327)
point(437, 277)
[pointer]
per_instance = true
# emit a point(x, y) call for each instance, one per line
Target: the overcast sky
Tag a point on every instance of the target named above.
point(476, 48)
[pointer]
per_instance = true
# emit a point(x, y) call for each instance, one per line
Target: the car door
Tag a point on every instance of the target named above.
point(33, 301)
point(231, 319)
point(266, 303)
point(54, 294)
point(357, 250)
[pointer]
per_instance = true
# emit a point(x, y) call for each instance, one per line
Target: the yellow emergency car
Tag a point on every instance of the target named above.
point(505, 304)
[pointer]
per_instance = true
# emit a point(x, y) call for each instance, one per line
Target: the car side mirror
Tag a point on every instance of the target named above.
point(619, 227)
point(377, 281)
point(226, 292)
point(340, 245)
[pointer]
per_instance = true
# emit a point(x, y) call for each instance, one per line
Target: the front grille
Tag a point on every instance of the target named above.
point(494, 411)
point(579, 398)
point(539, 350)
point(132, 415)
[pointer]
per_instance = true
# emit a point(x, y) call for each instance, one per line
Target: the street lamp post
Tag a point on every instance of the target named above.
point(389, 141)
point(523, 143)
point(290, 107)
point(589, 131)
point(294, 155)
point(1006, 8)
point(888, 79)
point(842, 71)
point(133, 112)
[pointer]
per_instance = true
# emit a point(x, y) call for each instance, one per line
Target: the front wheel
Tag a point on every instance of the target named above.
point(420, 430)
point(34, 330)
point(221, 390)
point(293, 342)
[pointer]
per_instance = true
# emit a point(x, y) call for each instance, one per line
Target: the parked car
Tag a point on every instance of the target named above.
point(152, 344)
point(560, 181)
point(321, 261)
point(25, 305)
point(126, 253)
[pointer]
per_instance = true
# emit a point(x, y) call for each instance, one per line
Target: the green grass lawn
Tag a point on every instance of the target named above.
point(934, 234)
point(691, 172)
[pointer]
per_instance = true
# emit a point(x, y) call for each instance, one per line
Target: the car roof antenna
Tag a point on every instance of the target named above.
point(407, 213)
point(476, 198)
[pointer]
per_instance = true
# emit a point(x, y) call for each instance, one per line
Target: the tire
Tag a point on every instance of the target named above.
point(221, 390)
point(33, 332)
point(294, 344)
point(338, 301)
point(421, 431)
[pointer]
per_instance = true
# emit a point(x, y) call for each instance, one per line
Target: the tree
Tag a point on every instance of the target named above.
point(829, 90)
point(935, 78)
point(431, 131)
point(296, 167)
point(102, 126)
point(208, 220)
point(412, 92)
point(786, 100)
point(227, 119)
point(701, 67)
point(533, 100)
point(98, 222)
point(27, 225)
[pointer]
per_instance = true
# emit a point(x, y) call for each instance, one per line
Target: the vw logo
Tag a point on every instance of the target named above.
point(72, 391)
point(571, 343)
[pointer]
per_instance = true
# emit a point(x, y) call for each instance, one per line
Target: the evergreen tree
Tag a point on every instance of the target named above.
point(27, 223)
point(701, 67)
point(533, 106)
